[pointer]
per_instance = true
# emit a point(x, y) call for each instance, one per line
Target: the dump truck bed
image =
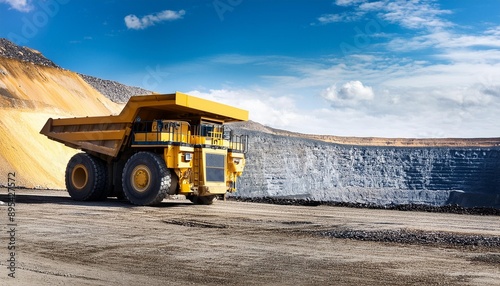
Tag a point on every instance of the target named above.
point(106, 135)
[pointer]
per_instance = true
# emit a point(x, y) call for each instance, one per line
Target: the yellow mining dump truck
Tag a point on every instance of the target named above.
point(158, 145)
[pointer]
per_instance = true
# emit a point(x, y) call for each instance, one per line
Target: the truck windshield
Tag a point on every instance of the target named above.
point(211, 130)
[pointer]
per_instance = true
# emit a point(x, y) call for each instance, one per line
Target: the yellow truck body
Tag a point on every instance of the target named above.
point(160, 144)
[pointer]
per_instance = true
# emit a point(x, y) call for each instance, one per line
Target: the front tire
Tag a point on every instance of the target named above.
point(146, 179)
point(86, 177)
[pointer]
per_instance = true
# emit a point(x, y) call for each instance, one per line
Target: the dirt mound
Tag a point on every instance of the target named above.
point(30, 94)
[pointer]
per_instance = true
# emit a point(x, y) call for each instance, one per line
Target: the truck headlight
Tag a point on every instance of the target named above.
point(188, 157)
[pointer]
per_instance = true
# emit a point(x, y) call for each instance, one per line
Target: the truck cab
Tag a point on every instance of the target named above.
point(206, 157)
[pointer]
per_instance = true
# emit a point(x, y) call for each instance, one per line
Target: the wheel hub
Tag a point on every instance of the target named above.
point(79, 176)
point(141, 178)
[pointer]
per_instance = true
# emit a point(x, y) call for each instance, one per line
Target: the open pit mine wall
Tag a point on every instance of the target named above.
point(290, 167)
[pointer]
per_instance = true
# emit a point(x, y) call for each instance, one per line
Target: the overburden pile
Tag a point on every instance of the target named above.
point(12, 51)
point(113, 90)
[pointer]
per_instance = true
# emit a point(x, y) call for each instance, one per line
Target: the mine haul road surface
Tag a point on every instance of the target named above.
point(63, 242)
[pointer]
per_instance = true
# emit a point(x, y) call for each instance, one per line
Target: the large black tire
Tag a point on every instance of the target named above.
point(146, 179)
point(174, 184)
point(86, 178)
point(201, 200)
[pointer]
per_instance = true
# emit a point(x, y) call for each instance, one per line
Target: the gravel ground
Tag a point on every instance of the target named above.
point(455, 209)
point(404, 236)
point(63, 242)
point(417, 237)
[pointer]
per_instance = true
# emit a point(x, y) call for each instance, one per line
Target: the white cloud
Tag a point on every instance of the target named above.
point(471, 56)
point(423, 15)
point(136, 23)
point(446, 41)
point(463, 41)
point(402, 44)
point(330, 18)
point(393, 97)
point(397, 111)
point(416, 14)
point(349, 94)
point(344, 17)
point(495, 31)
point(449, 88)
point(372, 6)
point(347, 2)
point(264, 107)
point(20, 5)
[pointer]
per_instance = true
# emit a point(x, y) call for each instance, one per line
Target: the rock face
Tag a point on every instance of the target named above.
point(291, 167)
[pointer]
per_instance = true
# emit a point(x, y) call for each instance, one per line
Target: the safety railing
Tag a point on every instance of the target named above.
point(164, 132)
point(161, 132)
point(238, 143)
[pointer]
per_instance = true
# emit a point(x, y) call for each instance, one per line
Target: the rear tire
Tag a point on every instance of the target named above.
point(86, 178)
point(146, 179)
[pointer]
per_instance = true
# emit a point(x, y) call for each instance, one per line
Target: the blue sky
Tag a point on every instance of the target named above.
point(418, 68)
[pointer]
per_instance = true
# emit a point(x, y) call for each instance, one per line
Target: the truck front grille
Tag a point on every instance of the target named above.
point(215, 167)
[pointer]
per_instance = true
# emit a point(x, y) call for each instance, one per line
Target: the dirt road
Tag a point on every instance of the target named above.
point(63, 242)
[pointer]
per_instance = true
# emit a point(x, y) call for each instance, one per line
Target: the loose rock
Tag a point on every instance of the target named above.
point(113, 90)
point(25, 54)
